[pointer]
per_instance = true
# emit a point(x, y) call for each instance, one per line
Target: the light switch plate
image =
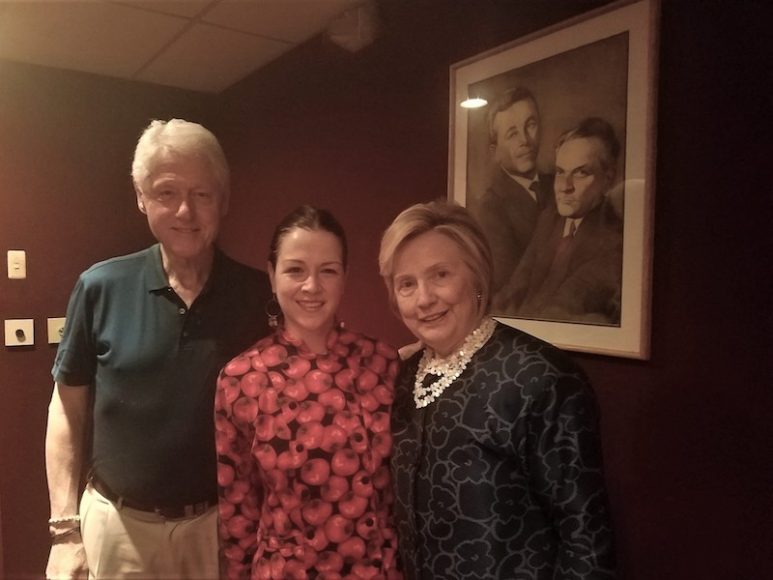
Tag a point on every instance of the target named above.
point(55, 330)
point(17, 264)
point(19, 332)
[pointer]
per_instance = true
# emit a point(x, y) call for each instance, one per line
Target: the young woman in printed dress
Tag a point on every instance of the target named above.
point(302, 426)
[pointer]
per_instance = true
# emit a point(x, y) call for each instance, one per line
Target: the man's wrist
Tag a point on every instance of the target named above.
point(64, 536)
point(64, 528)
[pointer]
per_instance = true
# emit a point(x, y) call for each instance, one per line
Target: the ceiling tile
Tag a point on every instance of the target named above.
point(187, 8)
point(93, 37)
point(270, 17)
point(226, 56)
point(161, 41)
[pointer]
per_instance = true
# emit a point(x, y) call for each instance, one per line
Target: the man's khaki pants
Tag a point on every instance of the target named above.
point(127, 543)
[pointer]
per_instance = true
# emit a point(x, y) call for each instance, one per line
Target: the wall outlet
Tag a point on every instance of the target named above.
point(19, 332)
point(55, 330)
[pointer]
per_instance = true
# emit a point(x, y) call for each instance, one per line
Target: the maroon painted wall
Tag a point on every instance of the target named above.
point(686, 434)
point(367, 135)
point(66, 142)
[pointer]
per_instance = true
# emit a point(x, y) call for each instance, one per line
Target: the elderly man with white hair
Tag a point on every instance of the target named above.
point(135, 377)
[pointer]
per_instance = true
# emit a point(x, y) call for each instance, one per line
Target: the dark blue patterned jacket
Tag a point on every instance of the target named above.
point(501, 476)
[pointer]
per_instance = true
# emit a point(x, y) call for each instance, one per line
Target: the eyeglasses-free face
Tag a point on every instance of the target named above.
point(309, 283)
point(434, 291)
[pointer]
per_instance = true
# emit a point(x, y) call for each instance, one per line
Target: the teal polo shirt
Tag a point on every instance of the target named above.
point(153, 363)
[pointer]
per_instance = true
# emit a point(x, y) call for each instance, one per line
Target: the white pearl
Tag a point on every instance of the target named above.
point(449, 368)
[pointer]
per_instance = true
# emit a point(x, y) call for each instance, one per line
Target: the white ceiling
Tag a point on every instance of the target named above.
point(202, 45)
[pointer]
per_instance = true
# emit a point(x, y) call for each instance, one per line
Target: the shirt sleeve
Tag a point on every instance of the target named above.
point(76, 357)
point(566, 473)
point(238, 484)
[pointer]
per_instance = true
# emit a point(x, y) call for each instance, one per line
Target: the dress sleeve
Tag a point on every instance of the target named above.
point(566, 474)
point(239, 489)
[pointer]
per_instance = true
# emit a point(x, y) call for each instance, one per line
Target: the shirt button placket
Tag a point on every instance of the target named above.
point(182, 311)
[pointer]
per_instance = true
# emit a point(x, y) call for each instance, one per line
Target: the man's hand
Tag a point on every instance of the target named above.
point(67, 560)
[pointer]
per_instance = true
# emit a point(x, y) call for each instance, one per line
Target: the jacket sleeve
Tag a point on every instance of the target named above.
point(505, 248)
point(566, 472)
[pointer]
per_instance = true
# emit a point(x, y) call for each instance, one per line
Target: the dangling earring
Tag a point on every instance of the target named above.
point(479, 297)
point(273, 311)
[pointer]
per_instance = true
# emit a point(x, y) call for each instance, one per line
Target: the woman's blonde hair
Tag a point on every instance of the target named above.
point(451, 220)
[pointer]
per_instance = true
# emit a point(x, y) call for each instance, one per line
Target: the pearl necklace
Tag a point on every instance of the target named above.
point(450, 368)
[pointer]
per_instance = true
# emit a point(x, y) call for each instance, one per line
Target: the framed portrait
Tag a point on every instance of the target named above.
point(558, 168)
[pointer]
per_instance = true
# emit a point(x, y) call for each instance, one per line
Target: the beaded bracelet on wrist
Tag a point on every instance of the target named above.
point(76, 519)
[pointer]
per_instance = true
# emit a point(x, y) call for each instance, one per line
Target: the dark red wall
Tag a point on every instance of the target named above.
point(686, 434)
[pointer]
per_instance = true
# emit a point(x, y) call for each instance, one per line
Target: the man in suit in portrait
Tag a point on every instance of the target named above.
point(572, 268)
point(508, 209)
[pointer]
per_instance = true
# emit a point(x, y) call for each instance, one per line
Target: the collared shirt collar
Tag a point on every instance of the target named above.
point(568, 225)
point(155, 277)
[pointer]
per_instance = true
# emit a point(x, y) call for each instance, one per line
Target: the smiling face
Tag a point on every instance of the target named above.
point(308, 282)
point(184, 204)
point(517, 138)
point(581, 179)
point(434, 292)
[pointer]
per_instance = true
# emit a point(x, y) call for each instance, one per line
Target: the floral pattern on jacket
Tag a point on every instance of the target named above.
point(501, 476)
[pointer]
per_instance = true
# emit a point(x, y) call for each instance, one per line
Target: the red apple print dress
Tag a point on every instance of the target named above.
point(303, 446)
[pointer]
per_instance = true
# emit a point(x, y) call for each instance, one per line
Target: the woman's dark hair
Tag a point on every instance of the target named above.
point(310, 218)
